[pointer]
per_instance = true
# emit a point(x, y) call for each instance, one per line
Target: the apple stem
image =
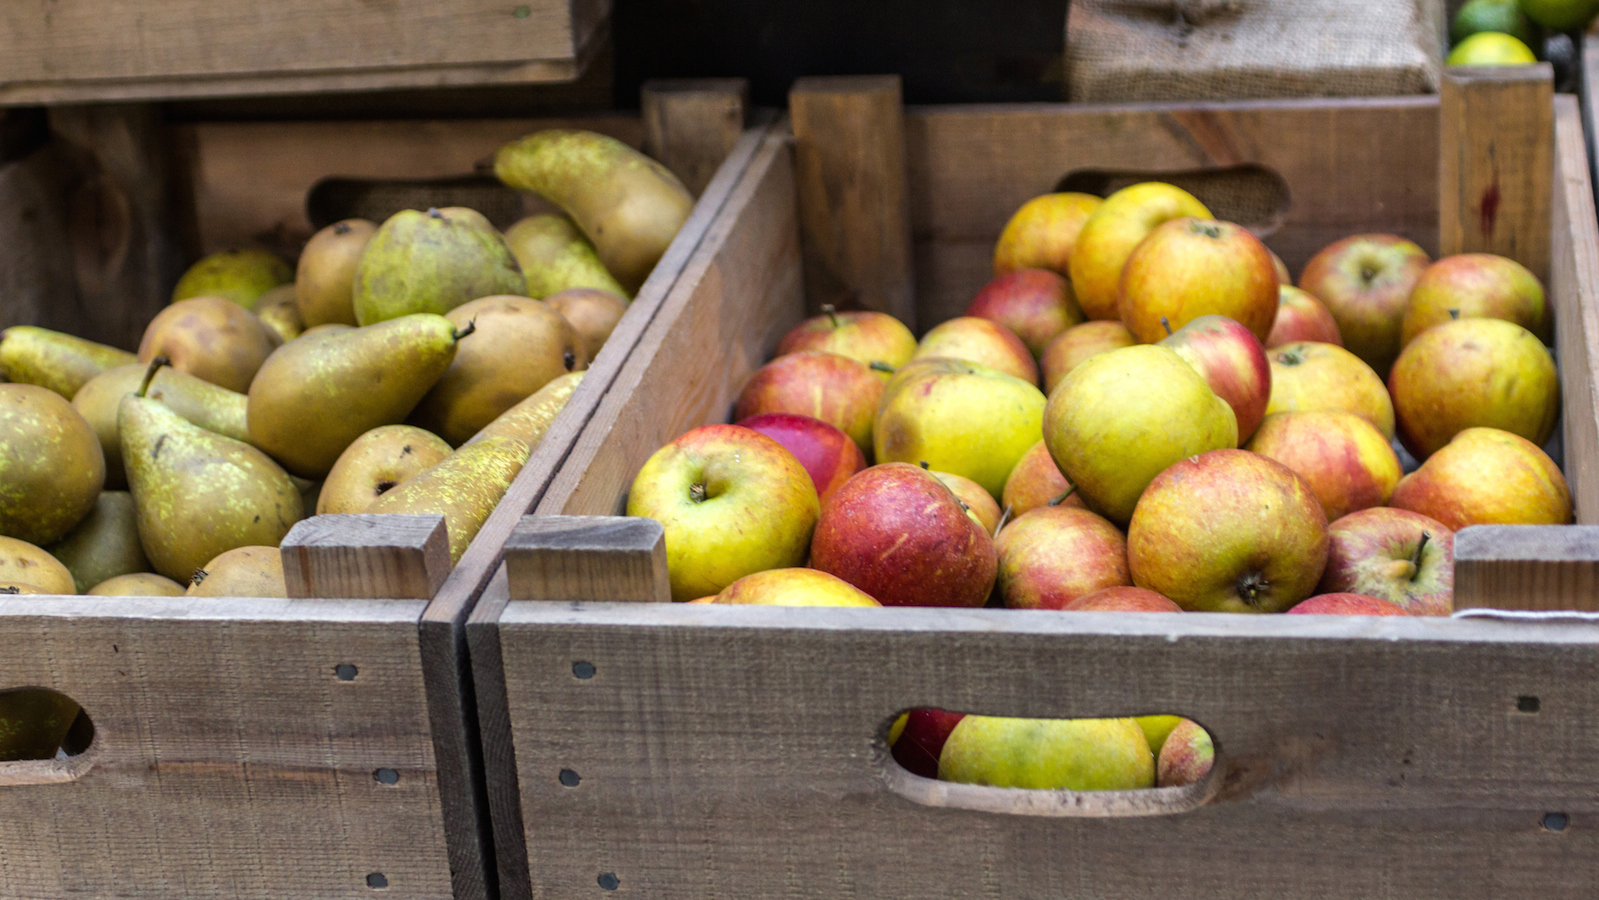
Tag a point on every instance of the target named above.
point(924, 465)
point(1004, 518)
point(1415, 558)
point(832, 313)
point(1166, 325)
point(149, 376)
point(1454, 314)
point(696, 492)
point(878, 365)
point(1070, 490)
point(470, 327)
point(1252, 586)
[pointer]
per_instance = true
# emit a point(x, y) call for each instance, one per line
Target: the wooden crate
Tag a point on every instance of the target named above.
point(323, 746)
point(673, 750)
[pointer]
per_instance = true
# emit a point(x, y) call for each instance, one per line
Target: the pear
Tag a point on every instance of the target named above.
point(464, 488)
point(210, 338)
point(22, 563)
point(141, 584)
point(241, 572)
point(199, 494)
point(431, 262)
point(213, 408)
point(329, 328)
point(34, 722)
point(593, 313)
point(279, 313)
point(51, 465)
point(241, 276)
point(105, 544)
point(327, 266)
point(345, 383)
point(629, 205)
point(555, 256)
point(529, 420)
point(520, 345)
point(377, 462)
point(50, 359)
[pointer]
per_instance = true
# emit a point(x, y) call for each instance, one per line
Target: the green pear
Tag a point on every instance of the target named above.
point(241, 572)
point(51, 465)
point(464, 488)
point(139, 584)
point(50, 359)
point(431, 262)
point(327, 266)
point(238, 275)
point(629, 205)
point(34, 722)
point(344, 384)
point(105, 544)
point(555, 255)
point(199, 494)
point(209, 406)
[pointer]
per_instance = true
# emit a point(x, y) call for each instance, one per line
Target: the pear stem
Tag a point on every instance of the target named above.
point(149, 376)
point(1166, 325)
point(832, 314)
point(470, 327)
point(878, 365)
point(696, 492)
point(1070, 490)
point(1415, 558)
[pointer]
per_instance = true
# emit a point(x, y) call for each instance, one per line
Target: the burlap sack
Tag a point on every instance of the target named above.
point(1159, 50)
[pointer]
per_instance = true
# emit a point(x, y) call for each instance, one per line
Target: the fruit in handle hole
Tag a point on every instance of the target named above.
point(213, 408)
point(464, 488)
point(1490, 15)
point(1055, 555)
point(1487, 477)
point(732, 502)
point(1041, 234)
point(1034, 304)
point(1123, 599)
point(529, 420)
point(1157, 728)
point(323, 282)
point(555, 256)
point(51, 465)
point(793, 587)
point(1365, 282)
point(1230, 359)
point(1490, 48)
point(868, 337)
point(1228, 531)
point(1281, 268)
point(959, 417)
point(431, 262)
point(241, 572)
point(34, 722)
point(376, 463)
point(979, 503)
point(1186, 756)
point(1396, 555)
point(1301, 317)
point(1048, 754)
point(1346, 605)
point(104, 544)
point(979, 341)
point(241, 276)
point(837, 390)
point(210, 338)
point(1189, 268)
point(140, 584)
point(1477, 286)
point(25, 563)
point(897, 533)
point(50, 359)
point(921, 739)
point(593, 313)
point(1077, 344)
point(1037, 482)
point(1307, 377)
point(1560, 15)
point(1109, 235)
point(827, 454)
point(1121, 418)
point(1474, 373)
point(1347, 462)
point(279, 314)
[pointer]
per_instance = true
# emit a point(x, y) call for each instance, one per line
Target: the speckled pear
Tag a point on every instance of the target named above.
point(210, 406)
point(431, 262)
point(555, 256)
point(464, 488)
point(50, 359)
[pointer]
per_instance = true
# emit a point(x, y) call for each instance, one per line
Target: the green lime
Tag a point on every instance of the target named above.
point(1561, 15)
point(1491, 15)
point(1490, 48)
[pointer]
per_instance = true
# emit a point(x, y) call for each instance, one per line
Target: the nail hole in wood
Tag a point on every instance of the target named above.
point(583, 669)
point(569, 778)
point(386, 776)
point(1555, 821)
point(376, 881)
point(345, 671)
point(608, 881)
point(1528, 704)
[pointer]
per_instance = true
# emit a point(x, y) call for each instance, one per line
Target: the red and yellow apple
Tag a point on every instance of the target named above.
point(1301, 317)
point(1109, 235)
point(980, 341)
point(840, 391)
point(1036, 482)
point(979, 503)
point(1365, 281)
point(1477, 286)
point(1232, 362)
point(826, 453)
point(1078, 343)
point(1487, 477)
point(1396, 555)
point(1054, 555)
point(1124, 598)
point(1041, 234)
point(1307, 376)
point(1346, 605)
point(1188, 268)
point(1186, 756)
point(1347, 462)
point(920, 741)
point(793, 587)
point(1048, 754)
point(1034, 304)
point(865, 337)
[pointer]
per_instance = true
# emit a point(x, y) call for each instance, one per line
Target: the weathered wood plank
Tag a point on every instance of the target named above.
point(1574, 298)
point(1538, 567)
point(692, 124)
point(588, 558)
point(366, 557)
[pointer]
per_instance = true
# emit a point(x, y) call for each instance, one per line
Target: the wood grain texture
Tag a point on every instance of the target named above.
point(504, 800)
point(38, 281)
point(588, 558)
point(849, 159)
point(1574, 299)
point(692, 124)
point(1588, 92)
point(1537, 567)
point(1497, 133)
point(366, 557)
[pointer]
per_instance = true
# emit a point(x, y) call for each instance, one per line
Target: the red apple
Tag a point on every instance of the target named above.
point(1037, 482)
point(980, 341)
point(900, 535)
point(1301, 317)
point(1228, 531)
point(1233, 363)
point(1110, 233)
point(840, 391)
point(1365, 281)
point(1473, 286)
point(918, 746)
point(1078, 343)
point(1346, 605)
point(1123, 599)
point(1403, 557)
point(1035, 304)
point(826, 453)
point(1344, 458)
point(1052, 556)
point(1487, 477)
point(866, 337)
point(1186, 757)
point(1189, 268)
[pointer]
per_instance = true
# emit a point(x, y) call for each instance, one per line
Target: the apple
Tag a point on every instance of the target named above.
point(1396, 555)
point(1347, 462)
point(1036, 482)
point(921, 741)
point(1307, 376)
point(732, 501)
point(1123, 598)
point(1122, 417)
point(838, 390)
point(1189, 268)
point(1487, 477)
point(1054, 555)
point(793, 587)
point(1301, 317)
point(1041, 234)
point(1157, 728)
point(980, 341)
point(867, 337)
point(979, 503)
point(1477, 286)
point(1365, 281)
point(1345, 604)
point(1232, 362)
point(1035, 304)
point(826, 453)
point(1186, 756)
point(1474, 373)
point(1078, 343)
point(958, 417)
point(1280, 267)
point(900, 535)
point(1110, 234)
point(1228, 531)
point(1048, 754)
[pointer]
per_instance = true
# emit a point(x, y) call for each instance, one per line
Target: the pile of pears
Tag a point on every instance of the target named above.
point(405, 367)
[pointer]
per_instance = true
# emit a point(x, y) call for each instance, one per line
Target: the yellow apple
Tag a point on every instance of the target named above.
point(1110, 234)
point(793, 587)
point(1048, 754)
point(1078, 343)
point(1477, 286)
point(1308, 376)
point(1041, 234)
point(981, 341)
point(1487, 477)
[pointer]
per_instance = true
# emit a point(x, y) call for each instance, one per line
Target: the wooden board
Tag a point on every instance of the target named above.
point(1574, 298)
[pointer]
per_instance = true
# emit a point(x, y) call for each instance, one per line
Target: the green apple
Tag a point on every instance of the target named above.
point(1048, 754)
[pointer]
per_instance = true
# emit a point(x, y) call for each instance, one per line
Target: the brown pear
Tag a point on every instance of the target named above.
point(51, 465)
point(140, 584)
point(376, 463)
point(24, 563)
point(329, 328)
point(529, 420)
point(464, 488)
point(327, 267)
point(201, 402)
point(210, 338)
point(241, 572)
point(50, 359)
point(279, 313)
point(105, 544)
point(593, 314)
